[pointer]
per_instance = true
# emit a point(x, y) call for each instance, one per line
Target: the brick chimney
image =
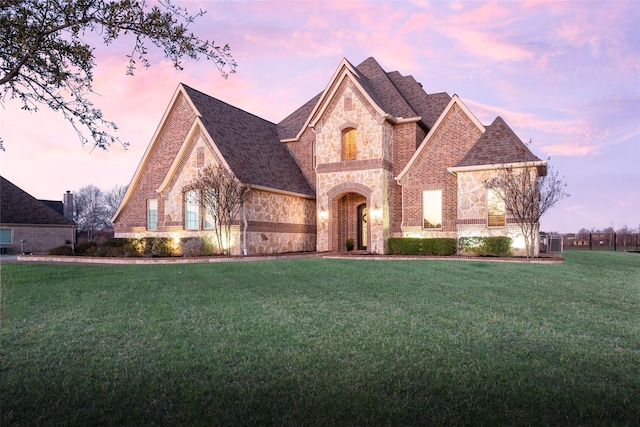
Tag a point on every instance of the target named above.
point(67, 205)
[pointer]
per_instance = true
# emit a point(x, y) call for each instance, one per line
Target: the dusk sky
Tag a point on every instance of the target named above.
point(565, 75)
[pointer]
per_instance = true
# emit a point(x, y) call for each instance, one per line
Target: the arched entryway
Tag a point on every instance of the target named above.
point(351, 221)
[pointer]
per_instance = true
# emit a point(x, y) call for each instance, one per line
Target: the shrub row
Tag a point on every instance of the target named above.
point(196, 246)
point(418, 246)
point(139, 247)
point(486, 246)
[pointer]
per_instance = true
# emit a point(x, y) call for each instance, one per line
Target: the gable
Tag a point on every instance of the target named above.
point(466, 123)
point(165, 144)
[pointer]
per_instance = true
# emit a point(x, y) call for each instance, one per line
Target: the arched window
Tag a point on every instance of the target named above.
point(349, 147)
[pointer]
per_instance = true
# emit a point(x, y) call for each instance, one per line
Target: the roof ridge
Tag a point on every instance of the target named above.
point(228, 104)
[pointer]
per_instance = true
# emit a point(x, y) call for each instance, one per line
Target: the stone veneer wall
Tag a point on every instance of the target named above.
point(369, 175)
point(472, 210)
point(278, 223)
point(198, 154)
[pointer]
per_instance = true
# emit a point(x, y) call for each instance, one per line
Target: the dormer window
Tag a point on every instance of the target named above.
point(349, 147)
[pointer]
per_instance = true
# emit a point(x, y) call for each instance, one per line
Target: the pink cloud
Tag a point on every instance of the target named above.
point(577, 136)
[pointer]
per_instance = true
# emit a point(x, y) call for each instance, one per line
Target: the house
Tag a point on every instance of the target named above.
point(372, 156)
point(31, 225)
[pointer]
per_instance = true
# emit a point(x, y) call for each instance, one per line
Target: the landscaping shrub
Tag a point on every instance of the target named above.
point(419, 246)
point(121, 247)
point(486, 246)
point(61, 250)
point(156, 246)
point(86, 248)
point(192, 246)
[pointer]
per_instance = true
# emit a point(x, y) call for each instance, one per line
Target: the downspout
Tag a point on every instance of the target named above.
point(402, 202)
point(244, 230)
point(314, 164)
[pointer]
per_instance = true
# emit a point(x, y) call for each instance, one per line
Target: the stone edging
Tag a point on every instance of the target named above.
point(325, 255)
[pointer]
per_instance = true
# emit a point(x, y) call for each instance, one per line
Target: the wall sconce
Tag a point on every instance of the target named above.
point(323, 215)
point(376, 213)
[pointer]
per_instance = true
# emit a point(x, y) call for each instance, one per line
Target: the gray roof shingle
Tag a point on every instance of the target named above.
point(19, 207)
point(250, 145)
point(398, 95)
point(498, 145)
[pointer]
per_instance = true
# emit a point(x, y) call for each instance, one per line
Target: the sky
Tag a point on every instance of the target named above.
point(563, 75)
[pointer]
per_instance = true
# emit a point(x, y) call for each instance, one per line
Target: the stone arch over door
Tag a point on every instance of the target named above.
point(345, 205)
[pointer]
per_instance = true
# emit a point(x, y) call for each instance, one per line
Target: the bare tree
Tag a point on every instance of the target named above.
point(47, 57)
point(221, 194)
point(528, 192)
point(89, 211)
point(112, 200)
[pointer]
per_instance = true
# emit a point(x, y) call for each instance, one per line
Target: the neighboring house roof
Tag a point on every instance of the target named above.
point(250, 145)
point(56, 205)
point(498, 145)
point(19, 207)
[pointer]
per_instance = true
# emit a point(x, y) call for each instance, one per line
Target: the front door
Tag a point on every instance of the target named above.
point(362, 226)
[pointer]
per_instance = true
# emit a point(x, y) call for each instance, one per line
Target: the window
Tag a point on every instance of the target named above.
point(495, 209)
point(152, 214)
point(432, 209)
point(5, 235)
point(349, 147)
point(208, 221)
point(191, 210)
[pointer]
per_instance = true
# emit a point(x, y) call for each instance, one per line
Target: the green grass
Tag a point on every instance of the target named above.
point(323, 342)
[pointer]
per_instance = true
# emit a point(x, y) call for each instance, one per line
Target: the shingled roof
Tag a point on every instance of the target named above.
point(19, 207)
point(498, 145)
point(250, 145)
point(398, 95)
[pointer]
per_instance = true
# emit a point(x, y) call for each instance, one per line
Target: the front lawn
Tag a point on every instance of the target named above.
point(323, 342)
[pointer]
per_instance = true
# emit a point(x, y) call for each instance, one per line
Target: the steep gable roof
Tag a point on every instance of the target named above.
point(250, 145)
point(428, 107)
point(398, 96)
point(498, 145)
point(390, 99)
point(288, 128)
point(19, 207)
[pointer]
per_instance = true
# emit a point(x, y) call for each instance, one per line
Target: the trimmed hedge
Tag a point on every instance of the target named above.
point(418, 246)
point(142, 247)
point(486, 246)
point(61, 250)
point(86, 248)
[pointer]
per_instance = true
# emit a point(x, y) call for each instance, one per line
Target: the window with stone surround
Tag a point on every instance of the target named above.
point(349, 147)
point(5, 236)
point(192, 210)
point(432, 209)
point(152, 214)
point(495, 209)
